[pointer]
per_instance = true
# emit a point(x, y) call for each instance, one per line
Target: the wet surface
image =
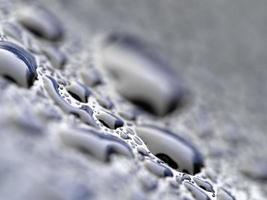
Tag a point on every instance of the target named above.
point(95, 114)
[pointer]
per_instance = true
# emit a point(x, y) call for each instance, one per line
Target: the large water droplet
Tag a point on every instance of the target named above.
point(140, 75)
point(41, 23)
point(17, 64)
point(97, 144)
point(173, 149)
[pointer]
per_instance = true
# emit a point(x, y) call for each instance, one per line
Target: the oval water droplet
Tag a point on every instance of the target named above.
point(172, 147)
point(17, 64)
point(41, 23)
point(109, 120)
point(97, 144)
point(196, 193)
point(13, 30)
point(158, 169)
point(224, 195)
point(56, 57)
point(84, 112)
point(205, 185)
point(91, 77)
point(140, 75)
point(79, 91)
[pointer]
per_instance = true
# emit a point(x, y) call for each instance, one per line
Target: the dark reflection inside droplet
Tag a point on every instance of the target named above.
point(167, 160)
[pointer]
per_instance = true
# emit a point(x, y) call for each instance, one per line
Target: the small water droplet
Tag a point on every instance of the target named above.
point(158, 169)
point(196, 193)
point(109, 120)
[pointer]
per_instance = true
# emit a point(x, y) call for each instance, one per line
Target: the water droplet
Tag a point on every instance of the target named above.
point(140, 75)
point(97, 144)
point(158, 169)
point(91, 77)
point(174, 148)
point(84, 113)
point(137, 140)
point(17, 64)
point(109, 120)
point(13, 30)
point(196, 193)
point(149, 183)
point(257, 169)
point(41, 23)
point(203, 184)
point(142, 151)
point(56, 57)
point(79, 91)
point(224, 195)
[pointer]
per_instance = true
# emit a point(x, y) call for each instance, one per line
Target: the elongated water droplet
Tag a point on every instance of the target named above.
point(203, 184)
point(56, 57)
point(97, 144)
point(197, 193)
point(109, 120)
point(79, 91)
point(173, 149)
point(41, 23)
point(140, 75)
point(17, 64)
point(224, 195)
point(158, 169)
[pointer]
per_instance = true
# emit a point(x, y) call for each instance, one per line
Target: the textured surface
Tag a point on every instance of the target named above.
point(218, 47)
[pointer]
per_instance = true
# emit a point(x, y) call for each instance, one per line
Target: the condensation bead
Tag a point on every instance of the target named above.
point(56, 57)
point(84, 113)
point(224, 195)
point(109, 120)
point(79, 91)
point(12, 30)
point(97, 144)
point(196, 193)
point(158, 169)
point(203, 184)
point(91, 77)
point(41, 23)
point(140, 75)
point(171, 148)
point(17, 64)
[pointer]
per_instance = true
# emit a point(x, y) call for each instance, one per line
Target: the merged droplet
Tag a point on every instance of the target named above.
point(172, 149)
point(84, 112)
point(140, 75)
point(99, 145)
point(41, 23)
point(109, 120)
point(17, 64)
